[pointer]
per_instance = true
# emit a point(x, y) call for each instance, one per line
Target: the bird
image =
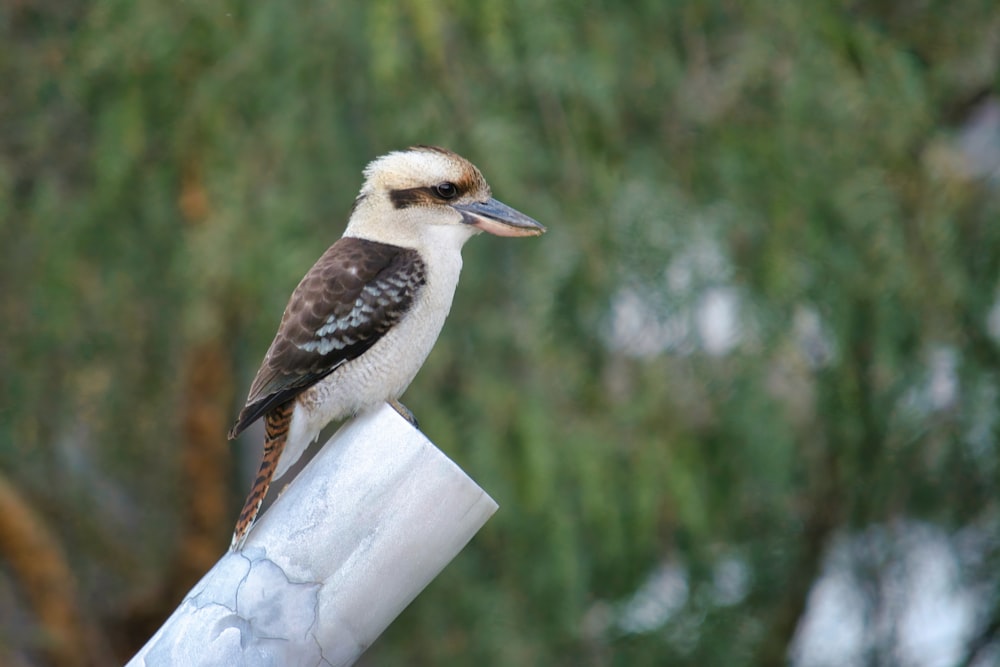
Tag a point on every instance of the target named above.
point(364, 318)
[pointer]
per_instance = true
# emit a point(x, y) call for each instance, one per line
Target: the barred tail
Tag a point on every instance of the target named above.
point(276, 423)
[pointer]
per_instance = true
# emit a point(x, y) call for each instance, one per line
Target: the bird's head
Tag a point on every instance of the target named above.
point(427, 192)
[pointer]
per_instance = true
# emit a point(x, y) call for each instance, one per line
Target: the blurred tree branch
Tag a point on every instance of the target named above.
point(39, 565)
point(205, 460)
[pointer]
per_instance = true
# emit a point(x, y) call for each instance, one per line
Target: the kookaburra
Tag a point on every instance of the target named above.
point(364, 318)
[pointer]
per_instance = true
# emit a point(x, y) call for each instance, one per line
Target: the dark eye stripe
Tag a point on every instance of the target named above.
point(427, 194)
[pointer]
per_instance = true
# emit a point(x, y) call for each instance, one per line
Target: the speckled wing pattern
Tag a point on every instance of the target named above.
point(350, 298)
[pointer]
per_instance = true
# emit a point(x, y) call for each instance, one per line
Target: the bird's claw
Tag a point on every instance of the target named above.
point(404, 412)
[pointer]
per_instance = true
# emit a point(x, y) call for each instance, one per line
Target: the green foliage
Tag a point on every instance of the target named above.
point(169, 170)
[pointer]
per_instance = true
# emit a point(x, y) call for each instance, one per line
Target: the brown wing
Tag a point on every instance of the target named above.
point(350, 298)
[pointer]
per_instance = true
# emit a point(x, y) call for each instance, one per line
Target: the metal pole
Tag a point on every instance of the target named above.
point(372, 519)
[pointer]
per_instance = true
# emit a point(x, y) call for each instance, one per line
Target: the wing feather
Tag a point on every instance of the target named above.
point(355, 293)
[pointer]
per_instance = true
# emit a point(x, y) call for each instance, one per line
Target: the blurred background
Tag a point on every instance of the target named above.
point(739, 406)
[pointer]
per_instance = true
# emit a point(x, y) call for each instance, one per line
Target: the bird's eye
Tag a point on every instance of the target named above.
point(446, 190)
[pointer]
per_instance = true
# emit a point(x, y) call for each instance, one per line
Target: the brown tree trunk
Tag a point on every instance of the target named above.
point(38, 564)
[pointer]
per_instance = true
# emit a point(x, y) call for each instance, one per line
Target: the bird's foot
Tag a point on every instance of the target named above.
point(404, 412)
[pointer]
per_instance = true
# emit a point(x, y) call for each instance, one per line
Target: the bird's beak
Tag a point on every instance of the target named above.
point(497, 218)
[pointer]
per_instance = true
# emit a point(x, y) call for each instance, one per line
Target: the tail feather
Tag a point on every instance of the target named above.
point(276, 423)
